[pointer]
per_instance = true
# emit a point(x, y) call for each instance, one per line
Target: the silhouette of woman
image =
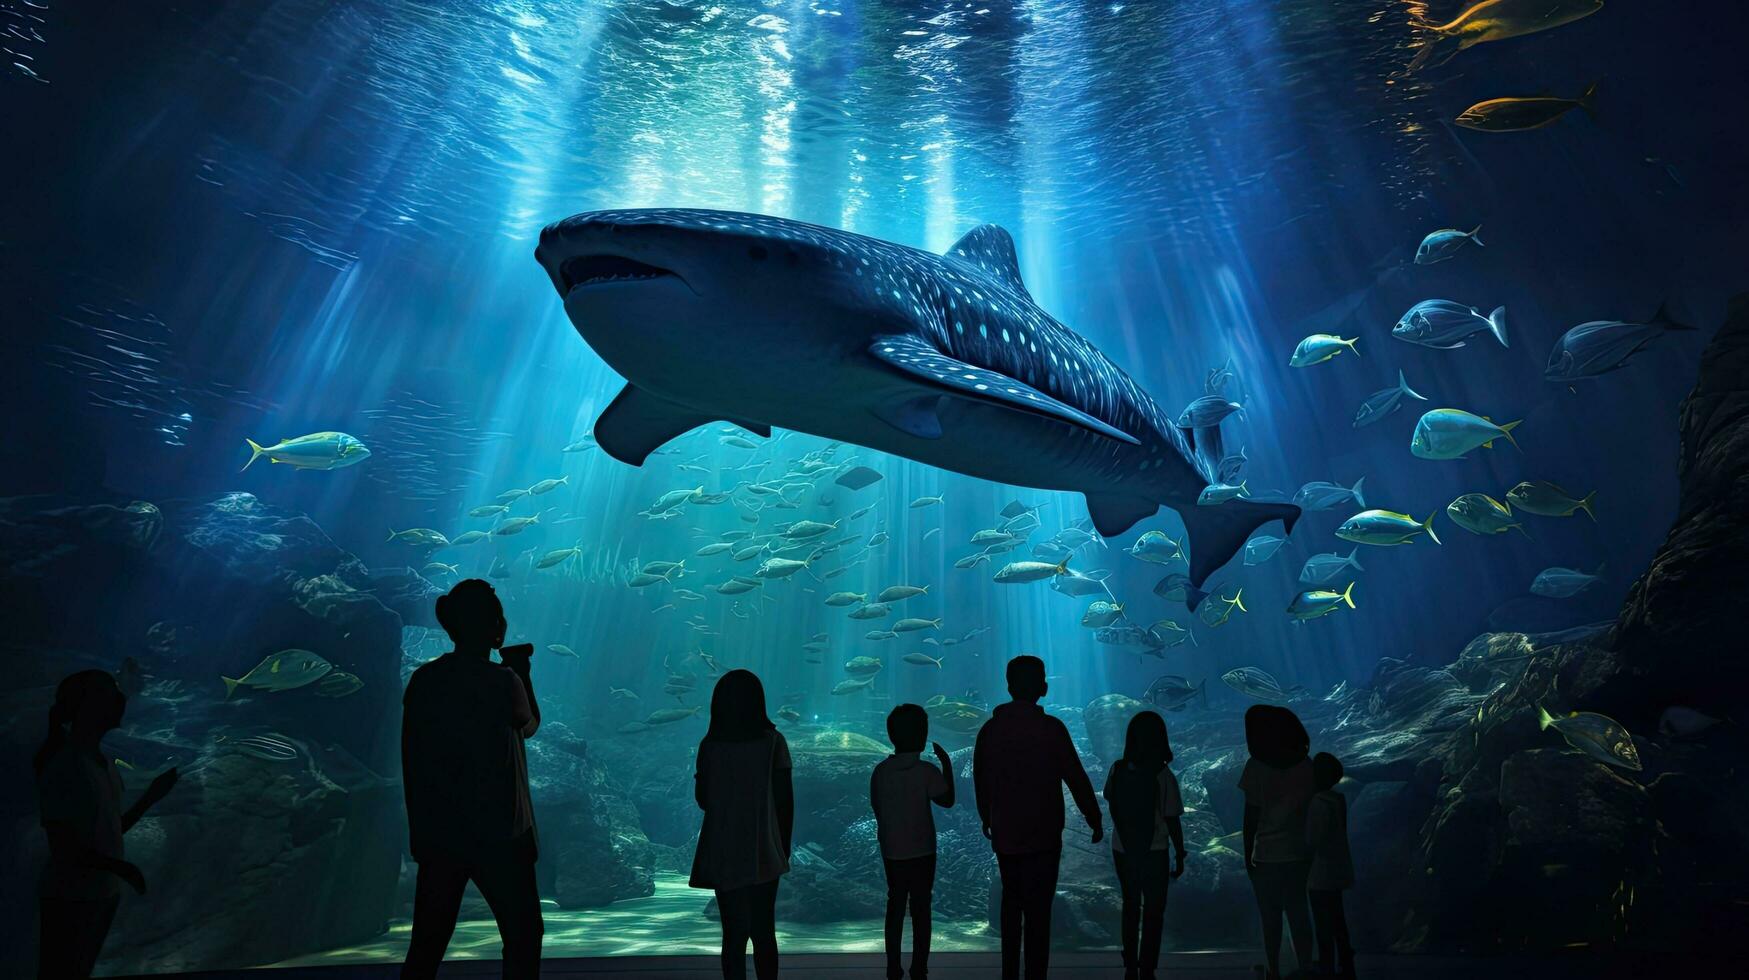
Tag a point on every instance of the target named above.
point(1278, 787)
point(79, 793)
point(743, 787)
point(1146, 810)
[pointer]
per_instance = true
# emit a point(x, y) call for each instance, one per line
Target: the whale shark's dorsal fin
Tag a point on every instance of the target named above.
point(950, 375)
point(991, 249)
point(637, 423)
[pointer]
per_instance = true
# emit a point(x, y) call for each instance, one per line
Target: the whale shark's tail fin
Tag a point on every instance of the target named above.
point(1218, 532)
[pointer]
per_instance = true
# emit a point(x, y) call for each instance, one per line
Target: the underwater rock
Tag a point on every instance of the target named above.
point(1106, 718)
point(407, 593)
point(592, 850)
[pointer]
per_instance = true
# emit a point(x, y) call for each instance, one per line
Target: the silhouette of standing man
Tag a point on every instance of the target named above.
point(1022, 760)
point(466, 778)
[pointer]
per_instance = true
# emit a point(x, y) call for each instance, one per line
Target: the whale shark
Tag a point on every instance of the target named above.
point(944, 359)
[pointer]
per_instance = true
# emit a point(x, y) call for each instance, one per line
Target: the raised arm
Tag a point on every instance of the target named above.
point(944, 798)
point(525, 710)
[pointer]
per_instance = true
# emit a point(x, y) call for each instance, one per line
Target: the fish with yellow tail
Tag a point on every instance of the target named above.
point(1495, 20)
point(1017, 572)
point(316, 451)
point(1384, 528)
point(1449, 433)
point(1320, 602)
point(1598, 736)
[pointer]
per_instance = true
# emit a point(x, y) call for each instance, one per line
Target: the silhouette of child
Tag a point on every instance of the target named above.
point(743, 787)
point(1146, 813)
point(1332, 866)
point(465, 775)
point(900, 790)
point(1277, 783)
point(79, 792)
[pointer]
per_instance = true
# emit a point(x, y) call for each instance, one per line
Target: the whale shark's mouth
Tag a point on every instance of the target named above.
point(594, 270)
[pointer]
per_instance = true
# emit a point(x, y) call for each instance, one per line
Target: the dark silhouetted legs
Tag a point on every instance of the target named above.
point(910, 881)
point(508, 887)
point(749, 914)
point(1142, 879)
point(1029, 884)
point(1335, 953)
point(72, 936)
point(1281, 890)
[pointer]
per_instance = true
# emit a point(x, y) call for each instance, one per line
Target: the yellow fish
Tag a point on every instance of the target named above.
point(1496, 20)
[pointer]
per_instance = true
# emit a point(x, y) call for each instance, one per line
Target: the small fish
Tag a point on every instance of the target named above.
point(1548, 500)
point(1216, 494)
point(557, 556)
point(338, 684)
point(913, 625)
point(468, 537)
point(1171, 692)
point(1563, 583)
point(925, 502)
point(862, 666)
point(807, 529)
point(1384, 402)
point(872, 610)
point(1315, 603)
point(1320, 347)
point(562, 650)
point(1231, 467)
point(316, 451)
point(1495, 20)
point(895, 593)
point(1515, 114)
point(663, 567)
point(439, 568)
point(1102, 613)
point(1599, 736)
point(1015, 508)
point(846, 598)
point(1208, 411)
point(1018, 572)
point(921, 660)
point(271, 747)
point(779, 568)
point(488, 510)
point(972, 561)
point(1217, 612)
point(1156, 547)
point(1323, 568)
point(1449, 433)
point(789, 714)
point(1601, 346)
point(1260, 685)
point(851, 685)
point(419, 537)
point(1168, 633)
point(1262, 548)
point(1445, 243)
point(513, 494)
point(581, 445)
point(1217, 379)
point(1176, 587)
point(282, 671)
point(714, 548)
point(879, 635)
point(1479, 513)
point(516, 525)
point(877, 539)
point(622, 694)
point(1385, 527)
point(664, 716)
point(1444, 325)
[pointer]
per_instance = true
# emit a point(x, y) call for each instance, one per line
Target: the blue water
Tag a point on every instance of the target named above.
point(250, 220)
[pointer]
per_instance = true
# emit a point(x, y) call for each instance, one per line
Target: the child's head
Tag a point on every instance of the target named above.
point(1026, 678)
point(908, 727)
point(1145, 742)
point(1326, 771)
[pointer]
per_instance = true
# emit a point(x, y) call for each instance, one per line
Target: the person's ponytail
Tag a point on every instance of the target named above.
point(70, 695)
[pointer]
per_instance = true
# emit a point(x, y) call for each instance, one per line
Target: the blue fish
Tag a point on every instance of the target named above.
point(1601, 346)
point(1563, 583)
point(1449, 433)
point(1385, 401)
point(1208, 411)
point(1445, 243)
point(1320, 347)
point(1319, 495)
point(1324, 568)
point(1262, 548)
point(1231, 466)
point(943, 359)
point(1443, 324)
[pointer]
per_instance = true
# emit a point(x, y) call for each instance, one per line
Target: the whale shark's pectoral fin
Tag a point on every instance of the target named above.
point(1218, 532)
point(922, 362)
point(637, 423)
point(1113, 514)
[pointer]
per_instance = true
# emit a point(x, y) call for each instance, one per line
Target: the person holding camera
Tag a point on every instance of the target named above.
point(465, 774)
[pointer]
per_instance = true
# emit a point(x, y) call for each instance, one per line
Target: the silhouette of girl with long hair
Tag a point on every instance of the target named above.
point(743, 787)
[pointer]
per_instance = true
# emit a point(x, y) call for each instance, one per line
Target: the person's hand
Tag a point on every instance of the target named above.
point(941, 753)
point(1250, 866)
point(1098, 832)
point(1178, 872)
point(987, 832)
point(162, 785)
point(131, 874)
